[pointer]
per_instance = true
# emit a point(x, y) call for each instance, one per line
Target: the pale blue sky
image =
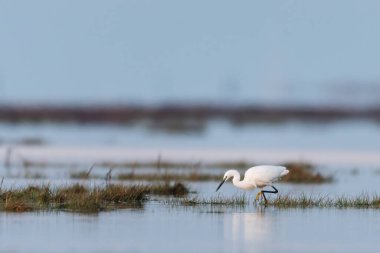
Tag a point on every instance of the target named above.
point(154, 51)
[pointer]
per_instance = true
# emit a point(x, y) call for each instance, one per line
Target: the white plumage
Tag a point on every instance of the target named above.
point(264, 175)
point(256, 177)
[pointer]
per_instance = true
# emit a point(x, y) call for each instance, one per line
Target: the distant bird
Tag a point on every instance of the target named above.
point(256, 177)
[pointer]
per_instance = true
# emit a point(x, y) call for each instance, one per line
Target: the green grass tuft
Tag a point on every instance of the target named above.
point(304, 201)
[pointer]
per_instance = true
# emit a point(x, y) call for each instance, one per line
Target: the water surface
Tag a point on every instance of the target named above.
point(161, 228)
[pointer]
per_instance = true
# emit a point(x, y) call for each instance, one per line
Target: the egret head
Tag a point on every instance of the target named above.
point(229, 174)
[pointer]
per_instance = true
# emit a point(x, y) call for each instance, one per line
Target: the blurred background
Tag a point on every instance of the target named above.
point(168, 95)
point(254, 80)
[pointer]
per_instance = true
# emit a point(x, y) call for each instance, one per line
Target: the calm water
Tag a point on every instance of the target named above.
point(356, 135)
point(157, 227)
point(348, 181)
point(162, 229)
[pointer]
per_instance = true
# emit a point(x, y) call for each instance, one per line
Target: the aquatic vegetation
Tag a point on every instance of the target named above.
point(230, 165)
point(179, 117)
point(286, 201)
point(299, 172)
point(304, 173)
point(174, 126)
point(363, 201)
point(167, 164)
point(177, 189)
point(27, 199)
point(132, 176)
point(193, 176)
point(80, 175)
point(240, 200)
point(34, 175)
point(79, 198)
point(82, 199)
point(304, 201)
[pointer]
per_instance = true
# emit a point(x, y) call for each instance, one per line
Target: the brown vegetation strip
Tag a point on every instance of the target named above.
point(194, 176)
point(299, 173)
point(82, 199)
point(178, 117)
point(304, 173)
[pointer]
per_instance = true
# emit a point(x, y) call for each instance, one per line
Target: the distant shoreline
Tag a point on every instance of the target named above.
point(182, 115)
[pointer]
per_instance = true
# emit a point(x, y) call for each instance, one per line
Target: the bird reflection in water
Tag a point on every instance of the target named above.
point(248, 230)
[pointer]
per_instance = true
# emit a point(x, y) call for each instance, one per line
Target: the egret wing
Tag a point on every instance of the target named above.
point(264, 174)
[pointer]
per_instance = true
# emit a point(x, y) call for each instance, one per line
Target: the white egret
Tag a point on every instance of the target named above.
point(256, 177)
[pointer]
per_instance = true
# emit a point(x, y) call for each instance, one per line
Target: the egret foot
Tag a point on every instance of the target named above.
point(258, 195)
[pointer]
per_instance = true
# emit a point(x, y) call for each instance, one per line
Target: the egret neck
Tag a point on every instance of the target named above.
point(241, 184)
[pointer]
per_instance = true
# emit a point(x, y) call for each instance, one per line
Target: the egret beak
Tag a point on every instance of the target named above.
point(221, 183)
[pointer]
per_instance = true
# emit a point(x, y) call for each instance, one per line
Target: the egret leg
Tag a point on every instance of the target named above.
point(258, 195)
point(274, 192)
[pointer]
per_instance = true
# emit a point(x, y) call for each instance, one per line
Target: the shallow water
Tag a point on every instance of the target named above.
point(348, 135)
point(347, 181)
point(160, 228)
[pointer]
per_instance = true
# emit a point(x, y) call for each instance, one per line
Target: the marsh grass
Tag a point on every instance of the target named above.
point(161, 163)
point(81, 175)
point(167, 164)
point(241, 200)
point(27, 199)
point(304, 201)
point(176, 189)
point(299, 172)
point(79, 198)
point(304, 173)
point(192, 177)
point(34, 175)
